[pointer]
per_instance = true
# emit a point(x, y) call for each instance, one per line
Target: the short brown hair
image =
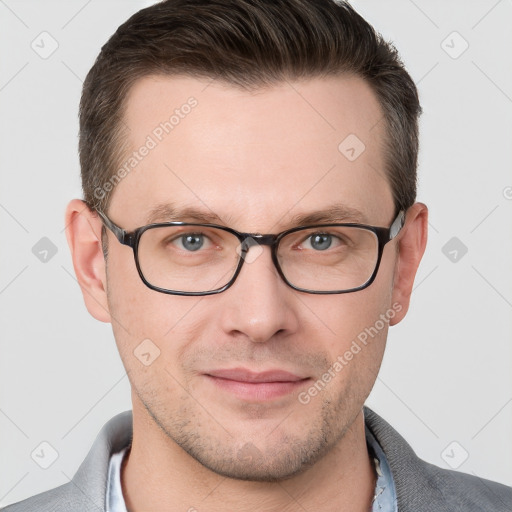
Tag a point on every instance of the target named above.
point(249, 44)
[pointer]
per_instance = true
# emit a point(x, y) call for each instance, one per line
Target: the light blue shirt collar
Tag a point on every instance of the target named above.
point(385, 493)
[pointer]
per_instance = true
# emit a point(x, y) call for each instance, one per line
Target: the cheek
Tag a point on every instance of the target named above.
point(345, 317)
point(352, 330)
point(129, 300)
point(145, 321)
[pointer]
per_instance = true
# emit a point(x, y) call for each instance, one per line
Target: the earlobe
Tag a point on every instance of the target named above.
point(412, 242)
point(83, 233)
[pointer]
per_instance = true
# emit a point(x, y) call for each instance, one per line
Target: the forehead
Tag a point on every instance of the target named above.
point(254, 158)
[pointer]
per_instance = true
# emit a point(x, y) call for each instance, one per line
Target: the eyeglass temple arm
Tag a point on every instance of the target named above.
point(397, 225)
point(118, 232)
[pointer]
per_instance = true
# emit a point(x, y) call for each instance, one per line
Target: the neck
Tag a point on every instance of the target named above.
point(159, 475)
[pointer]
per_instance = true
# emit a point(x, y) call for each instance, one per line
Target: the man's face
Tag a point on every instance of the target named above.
point(255, 160)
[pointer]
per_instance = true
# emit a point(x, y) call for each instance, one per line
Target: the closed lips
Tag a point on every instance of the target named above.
point(243, 375)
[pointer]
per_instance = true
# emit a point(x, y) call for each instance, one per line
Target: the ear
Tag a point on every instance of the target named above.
point(83, 232)
point(412, 241)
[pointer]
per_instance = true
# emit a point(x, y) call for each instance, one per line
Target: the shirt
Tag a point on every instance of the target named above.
point(384, 499)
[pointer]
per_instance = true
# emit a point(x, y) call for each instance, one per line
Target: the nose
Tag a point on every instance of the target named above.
point(259, 304)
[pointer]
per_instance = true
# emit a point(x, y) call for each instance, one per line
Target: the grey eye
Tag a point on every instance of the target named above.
point(320, 241)
point(192, 242)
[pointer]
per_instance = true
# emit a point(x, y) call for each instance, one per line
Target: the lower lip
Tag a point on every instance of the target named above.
point(257, 391)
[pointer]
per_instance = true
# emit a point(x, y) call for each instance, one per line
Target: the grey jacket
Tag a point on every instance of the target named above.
point(420, 486)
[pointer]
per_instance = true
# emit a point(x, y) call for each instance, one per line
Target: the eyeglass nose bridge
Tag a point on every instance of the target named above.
point(250, 239)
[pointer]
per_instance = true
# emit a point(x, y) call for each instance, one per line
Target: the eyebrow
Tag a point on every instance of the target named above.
point(168, 212)
point(330, 215)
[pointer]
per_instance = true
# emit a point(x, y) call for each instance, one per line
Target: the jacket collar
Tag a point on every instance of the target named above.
point(418, 484)
point(91, 477)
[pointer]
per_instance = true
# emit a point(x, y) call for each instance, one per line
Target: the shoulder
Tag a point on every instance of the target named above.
point(422, 486)
point(59, 499)
point(466, 492)
point(86, 491)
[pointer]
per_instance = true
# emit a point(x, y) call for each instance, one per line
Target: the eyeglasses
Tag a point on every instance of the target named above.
point(183, 258)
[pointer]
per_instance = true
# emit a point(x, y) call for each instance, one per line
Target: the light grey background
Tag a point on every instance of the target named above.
point(447, 373)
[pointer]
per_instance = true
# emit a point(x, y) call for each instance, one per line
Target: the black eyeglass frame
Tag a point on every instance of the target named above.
point(132, 238)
